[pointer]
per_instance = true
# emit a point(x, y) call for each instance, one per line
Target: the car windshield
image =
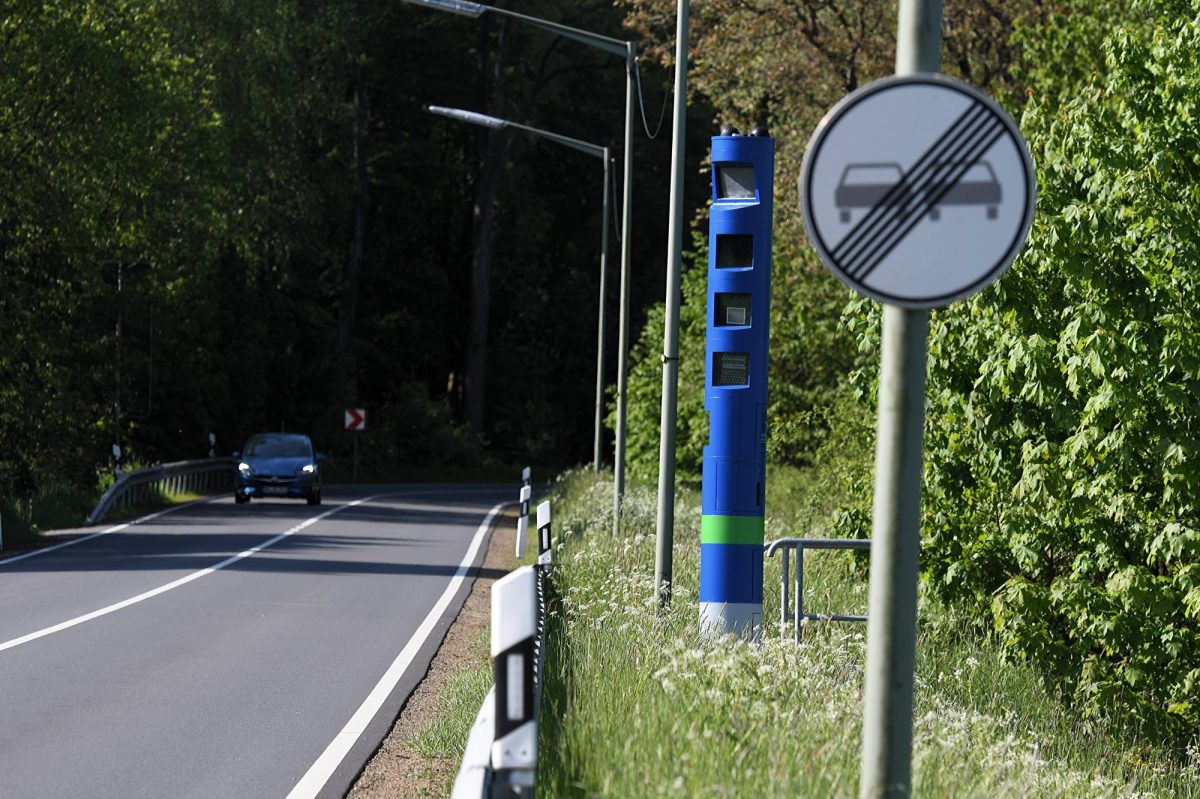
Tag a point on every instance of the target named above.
point(979, 172)
point(278, 447)
point(871, 175)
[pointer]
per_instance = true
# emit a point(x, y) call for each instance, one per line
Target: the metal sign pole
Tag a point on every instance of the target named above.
point(896, 526)
point(932, 213)
point(603, 292)
point(355, 472)
point(895, 542)
point(665, 519)
point(623, 323)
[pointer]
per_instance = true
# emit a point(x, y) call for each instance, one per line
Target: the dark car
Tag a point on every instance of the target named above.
point(976, 186)
point(278, 465)
point(863, 185)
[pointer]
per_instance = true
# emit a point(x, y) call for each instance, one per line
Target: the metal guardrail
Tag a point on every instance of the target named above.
point(145, 485)
point(500, 759)
point(787, 545)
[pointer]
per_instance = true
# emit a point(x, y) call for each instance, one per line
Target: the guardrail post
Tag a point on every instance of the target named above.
point(545, 555)
point(799, 592)
point(783, 593)
point(523, 519)
point(514, 628)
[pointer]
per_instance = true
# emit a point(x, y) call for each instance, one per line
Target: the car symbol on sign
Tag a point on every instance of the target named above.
point(864, 185)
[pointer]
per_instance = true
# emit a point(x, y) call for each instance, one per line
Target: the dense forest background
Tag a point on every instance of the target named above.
point(256, 191)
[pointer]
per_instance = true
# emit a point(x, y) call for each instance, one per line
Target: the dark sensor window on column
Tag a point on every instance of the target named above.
point(733, 310)
point(735, 182)
point(731, 368)
point(735, 251)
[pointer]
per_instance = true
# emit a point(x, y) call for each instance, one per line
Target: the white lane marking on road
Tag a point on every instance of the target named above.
point(117, 529)
point(320, 771)
point(196, 575)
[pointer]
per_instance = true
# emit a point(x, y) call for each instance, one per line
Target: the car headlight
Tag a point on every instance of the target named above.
point(244, 468)
point(309, 469)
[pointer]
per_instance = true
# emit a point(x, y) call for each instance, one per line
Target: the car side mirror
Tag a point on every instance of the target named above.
point(320, 457)
point(236, 454)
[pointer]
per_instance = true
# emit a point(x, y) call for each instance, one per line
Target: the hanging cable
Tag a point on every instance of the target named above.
point(642, 104)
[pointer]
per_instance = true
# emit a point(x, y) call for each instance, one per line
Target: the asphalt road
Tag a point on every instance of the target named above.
point(225, 650)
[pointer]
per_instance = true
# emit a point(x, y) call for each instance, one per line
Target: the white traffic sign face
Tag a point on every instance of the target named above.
point(917, 190)
point(356, 418)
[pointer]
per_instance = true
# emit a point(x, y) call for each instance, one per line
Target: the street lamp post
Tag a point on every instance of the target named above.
point(628, 50)
point(591, 149)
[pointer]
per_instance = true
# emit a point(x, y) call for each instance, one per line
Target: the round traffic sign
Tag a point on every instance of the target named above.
point(917, 190)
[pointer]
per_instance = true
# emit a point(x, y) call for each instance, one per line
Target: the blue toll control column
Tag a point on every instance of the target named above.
point(735, 386)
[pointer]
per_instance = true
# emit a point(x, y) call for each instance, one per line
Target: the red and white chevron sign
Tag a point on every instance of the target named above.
point(356, 418)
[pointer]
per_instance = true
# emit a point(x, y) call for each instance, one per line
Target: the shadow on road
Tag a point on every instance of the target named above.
point(389, 536)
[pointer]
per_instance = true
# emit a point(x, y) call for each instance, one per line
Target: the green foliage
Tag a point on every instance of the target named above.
point(1062, 476)
point(785, 65)
point(637, 703)
point(189, 168)
point(645, 379)
point(417, 430)
point(54, 507)
point(809, 354)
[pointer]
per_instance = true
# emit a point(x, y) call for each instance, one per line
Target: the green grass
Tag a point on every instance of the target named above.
point(457, 705)
point(637, 703)
point(52, 508)
point(161, 499)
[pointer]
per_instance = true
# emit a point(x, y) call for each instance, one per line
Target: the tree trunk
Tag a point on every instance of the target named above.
point(349, 308)
point(496, 148)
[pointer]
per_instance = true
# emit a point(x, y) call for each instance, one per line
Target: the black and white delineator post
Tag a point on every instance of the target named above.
point(514, 627)
point(543, 522)
point(523, 519)
point(526, 476)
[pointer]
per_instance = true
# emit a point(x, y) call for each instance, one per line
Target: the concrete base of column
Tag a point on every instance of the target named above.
point(743, 619)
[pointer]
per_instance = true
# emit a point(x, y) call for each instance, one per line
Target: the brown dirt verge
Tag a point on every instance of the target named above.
point(395, 770)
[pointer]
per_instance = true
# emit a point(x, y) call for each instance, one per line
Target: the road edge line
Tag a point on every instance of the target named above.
point(319, 773)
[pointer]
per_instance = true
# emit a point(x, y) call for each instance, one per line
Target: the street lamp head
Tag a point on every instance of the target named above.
point(469, 116)
point(461, 7)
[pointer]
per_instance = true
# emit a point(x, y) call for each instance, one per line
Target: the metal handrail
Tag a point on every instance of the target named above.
point(785, 546)
point(209, 474)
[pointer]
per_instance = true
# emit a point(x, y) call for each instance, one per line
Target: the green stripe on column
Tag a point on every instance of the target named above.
point(731, 529)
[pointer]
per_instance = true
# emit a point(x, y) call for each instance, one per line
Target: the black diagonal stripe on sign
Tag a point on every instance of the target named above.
point(930, 193)
point(934, 199)
point(965, 121)
point(944, 176)
point(917, 182)
point(900, 193)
